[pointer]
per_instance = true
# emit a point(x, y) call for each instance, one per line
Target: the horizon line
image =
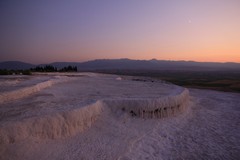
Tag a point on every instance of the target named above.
point(121, 59)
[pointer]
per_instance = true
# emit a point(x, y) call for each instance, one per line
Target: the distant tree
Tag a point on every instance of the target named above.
point(37, 69)
point(69, 69)
point(49, 68)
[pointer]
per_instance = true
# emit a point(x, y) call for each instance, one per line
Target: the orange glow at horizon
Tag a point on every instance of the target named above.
point(205, 31)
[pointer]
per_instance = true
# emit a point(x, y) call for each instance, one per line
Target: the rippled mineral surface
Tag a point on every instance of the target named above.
point(97, 116)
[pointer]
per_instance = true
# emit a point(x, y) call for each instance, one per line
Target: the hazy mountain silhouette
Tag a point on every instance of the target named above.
point(128, 64)
point(15, 65)
point(105, 64)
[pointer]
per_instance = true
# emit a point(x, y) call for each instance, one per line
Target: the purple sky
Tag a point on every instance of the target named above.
point(76, 30)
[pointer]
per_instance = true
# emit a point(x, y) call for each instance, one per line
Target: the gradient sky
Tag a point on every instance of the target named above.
point(42, 31)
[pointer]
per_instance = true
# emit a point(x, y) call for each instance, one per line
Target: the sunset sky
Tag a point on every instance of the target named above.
point(43, 31)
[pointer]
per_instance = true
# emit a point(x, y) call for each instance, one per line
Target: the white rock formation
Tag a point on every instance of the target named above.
point(54, 126)
point(26, 91)
point(68, 123)
point(96, 116)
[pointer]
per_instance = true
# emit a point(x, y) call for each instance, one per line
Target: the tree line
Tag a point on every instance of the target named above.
point(47, 68)
point(14, 72)
point(50, 68)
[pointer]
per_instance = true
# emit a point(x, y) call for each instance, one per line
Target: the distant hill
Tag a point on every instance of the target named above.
point(15, 65)
point(128, 64)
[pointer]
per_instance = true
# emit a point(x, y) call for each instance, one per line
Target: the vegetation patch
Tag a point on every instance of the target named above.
point(222, 80)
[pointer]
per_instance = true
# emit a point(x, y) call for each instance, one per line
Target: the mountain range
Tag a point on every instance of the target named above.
point(15, 65)
point(128, 64)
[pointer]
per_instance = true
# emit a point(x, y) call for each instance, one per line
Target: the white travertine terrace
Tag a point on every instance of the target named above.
point(152, 108)
point(54, 126)
point(67, 121)
point(97, 116)
point(26, 91)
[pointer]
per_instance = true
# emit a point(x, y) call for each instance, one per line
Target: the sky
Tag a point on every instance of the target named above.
point(44, 31)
